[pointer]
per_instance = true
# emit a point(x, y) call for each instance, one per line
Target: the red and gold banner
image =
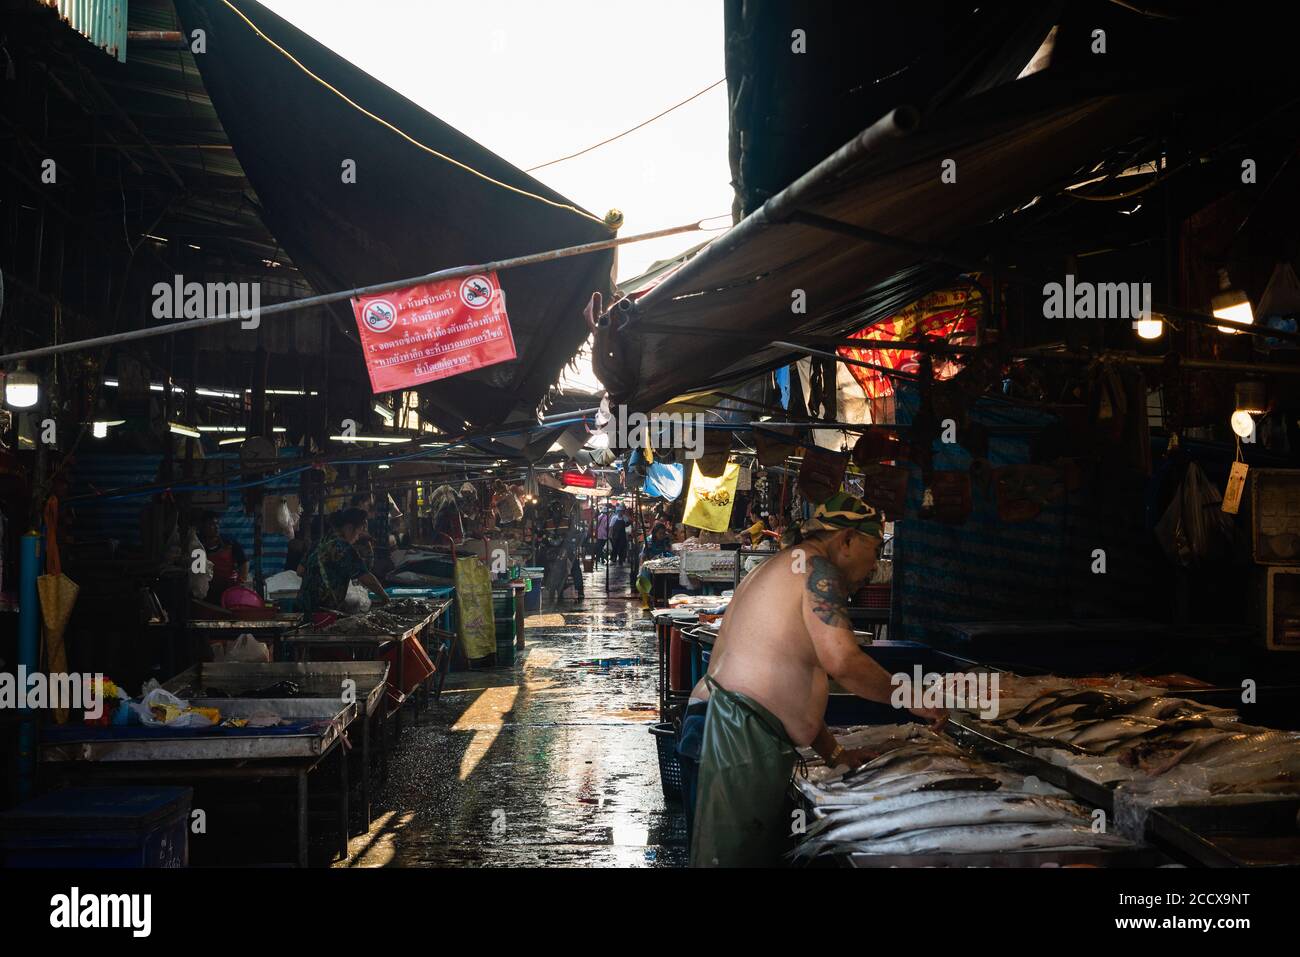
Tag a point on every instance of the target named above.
point(949, 315)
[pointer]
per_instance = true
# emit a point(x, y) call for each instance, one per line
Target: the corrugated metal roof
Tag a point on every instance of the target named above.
point(102, 22)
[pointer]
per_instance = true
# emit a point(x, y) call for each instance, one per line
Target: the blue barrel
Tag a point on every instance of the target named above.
point(99, 827)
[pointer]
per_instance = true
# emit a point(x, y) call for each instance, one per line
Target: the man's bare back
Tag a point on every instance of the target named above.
point(764, 649)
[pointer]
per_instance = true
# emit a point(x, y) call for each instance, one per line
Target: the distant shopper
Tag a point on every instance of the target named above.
point(618, 528)
point(602, 535)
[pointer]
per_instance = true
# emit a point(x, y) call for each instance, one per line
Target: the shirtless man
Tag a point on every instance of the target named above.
point(785, 633)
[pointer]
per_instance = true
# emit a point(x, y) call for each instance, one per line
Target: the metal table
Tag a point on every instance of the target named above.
point(317, 680)
point(203, 753)
point(301, 645)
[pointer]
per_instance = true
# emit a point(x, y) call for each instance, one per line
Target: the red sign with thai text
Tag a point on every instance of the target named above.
point(433, 330)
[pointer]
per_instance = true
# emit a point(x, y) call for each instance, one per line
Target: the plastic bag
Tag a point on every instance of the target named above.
point(173, 712)
point(248, 648)
point(1194, 529)
point(1279, 306)
point(357, 600)
point(280, 515)
point(200, 582)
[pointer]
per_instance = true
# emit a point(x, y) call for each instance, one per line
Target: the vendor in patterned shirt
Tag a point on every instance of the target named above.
point(334, 563)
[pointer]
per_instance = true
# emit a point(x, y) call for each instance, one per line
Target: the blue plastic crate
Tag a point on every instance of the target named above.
point(99, 827)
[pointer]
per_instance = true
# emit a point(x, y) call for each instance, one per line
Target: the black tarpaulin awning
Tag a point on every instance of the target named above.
point(1008, 144)
point(408, 212)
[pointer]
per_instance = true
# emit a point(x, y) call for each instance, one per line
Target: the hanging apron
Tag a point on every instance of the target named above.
point(742, 794)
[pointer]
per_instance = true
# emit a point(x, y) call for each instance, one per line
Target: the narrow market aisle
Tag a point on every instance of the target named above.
point(547, 763)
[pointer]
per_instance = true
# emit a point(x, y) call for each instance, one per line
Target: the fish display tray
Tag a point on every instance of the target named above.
point(1091, 857)
point(279, 622)
point(1262, 833)
point(377, 637)
point(325, 719)
point(1088, 791)
point(315, 679)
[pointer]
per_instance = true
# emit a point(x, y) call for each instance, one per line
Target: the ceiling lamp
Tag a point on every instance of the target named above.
point(1152, 328)
point(22, 388)
point(1231, 305)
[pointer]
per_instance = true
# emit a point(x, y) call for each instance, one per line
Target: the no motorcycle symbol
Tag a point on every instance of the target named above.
point(476, 292)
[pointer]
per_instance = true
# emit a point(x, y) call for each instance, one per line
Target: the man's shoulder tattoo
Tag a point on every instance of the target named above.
point(826, 592)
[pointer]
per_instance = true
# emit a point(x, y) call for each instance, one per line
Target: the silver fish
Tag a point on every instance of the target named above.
point(973, 809)
point(985, 838)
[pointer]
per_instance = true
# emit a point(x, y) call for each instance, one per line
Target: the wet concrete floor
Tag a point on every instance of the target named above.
point(547, 763)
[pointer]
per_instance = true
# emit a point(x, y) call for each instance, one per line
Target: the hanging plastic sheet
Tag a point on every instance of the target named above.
point(477, 626)
point(664, 480)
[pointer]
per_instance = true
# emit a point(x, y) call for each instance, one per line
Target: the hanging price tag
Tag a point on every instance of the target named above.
point(1236, 485)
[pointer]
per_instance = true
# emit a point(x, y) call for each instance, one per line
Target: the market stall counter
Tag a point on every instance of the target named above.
point(390, 631)
point(282, 738)
point(360, 682)
point(1186, 775)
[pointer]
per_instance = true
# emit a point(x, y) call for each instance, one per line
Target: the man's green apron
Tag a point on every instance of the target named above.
point(746, 759)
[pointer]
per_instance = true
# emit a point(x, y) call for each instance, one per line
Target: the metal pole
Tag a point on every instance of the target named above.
point(279, 308)
point(28, 656)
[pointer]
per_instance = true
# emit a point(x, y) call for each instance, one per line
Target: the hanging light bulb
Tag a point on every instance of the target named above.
point(1231, 305)
point(22, 388)
point(1243, 423)
point(1152, 328)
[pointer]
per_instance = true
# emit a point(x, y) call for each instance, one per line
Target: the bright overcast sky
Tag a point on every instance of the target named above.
point(534, 81)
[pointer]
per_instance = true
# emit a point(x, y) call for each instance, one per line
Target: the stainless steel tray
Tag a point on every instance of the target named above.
point(316, 679)
point(327, 637)
point(1262, 833)
point(330, 718)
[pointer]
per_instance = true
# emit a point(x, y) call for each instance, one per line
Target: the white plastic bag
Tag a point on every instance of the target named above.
point(280, 515)
point(357, 601)
point(200, 582)
point(158, 698)
point(248, 648)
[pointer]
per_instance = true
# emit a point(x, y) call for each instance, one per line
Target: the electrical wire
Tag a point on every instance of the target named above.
point(404, 135)
point(627, 131)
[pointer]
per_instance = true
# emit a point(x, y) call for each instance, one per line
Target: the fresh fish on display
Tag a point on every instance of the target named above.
point(824, 796)
point(1076, 705)
point(870, 823)
point(986, 838)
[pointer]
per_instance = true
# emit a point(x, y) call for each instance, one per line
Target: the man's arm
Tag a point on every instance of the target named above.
point(825, 614)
